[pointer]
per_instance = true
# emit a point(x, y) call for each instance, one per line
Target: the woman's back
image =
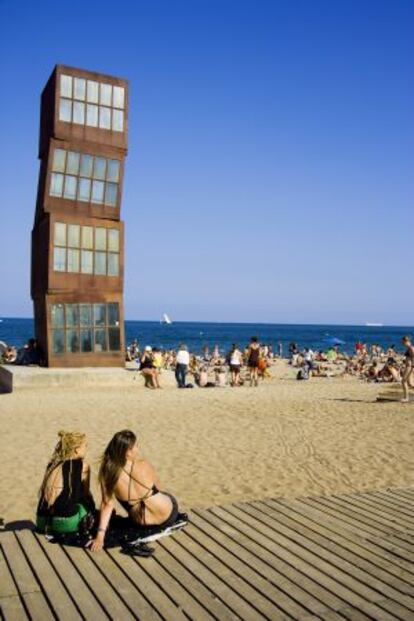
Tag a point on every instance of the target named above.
point(63, 489)
point(137, 490)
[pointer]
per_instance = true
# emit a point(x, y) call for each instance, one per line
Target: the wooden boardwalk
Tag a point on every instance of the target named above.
point(329, 558)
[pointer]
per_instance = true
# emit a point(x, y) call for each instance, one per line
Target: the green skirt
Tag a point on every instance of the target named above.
point(55, 524)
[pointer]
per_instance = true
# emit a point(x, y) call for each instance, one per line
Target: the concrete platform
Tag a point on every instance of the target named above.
point(22, 377)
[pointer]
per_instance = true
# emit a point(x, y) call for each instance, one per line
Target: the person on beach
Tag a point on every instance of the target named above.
point(407, 379)
point(235, 362)
point(253, 355)
point(65, 501)
point(148, 370)
point(132, 481)
point(181, 366)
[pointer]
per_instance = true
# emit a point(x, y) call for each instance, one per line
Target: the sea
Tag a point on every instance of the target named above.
point(197, 335)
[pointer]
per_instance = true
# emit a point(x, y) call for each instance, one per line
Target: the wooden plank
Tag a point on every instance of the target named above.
point(354, 593)
point(365, 555)
point(334, 553)
point(19, 567)
point(235, 574)
point(209, 572)
point(7, 586)
point(405, 494)
point(154, 594)
point(38, 607)
point(107, 596)
point(397, 609)
point(283, 592)
point(207, 599)
point(12, 609)
point(88, 605)
point(276, 556)
point(392, 504)
point(350, 521)
point(59, 599)
point(366, 507)
point(339, 524)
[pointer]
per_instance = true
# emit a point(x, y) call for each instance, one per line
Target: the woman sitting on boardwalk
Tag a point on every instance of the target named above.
point(133, 482)
point(65, 499)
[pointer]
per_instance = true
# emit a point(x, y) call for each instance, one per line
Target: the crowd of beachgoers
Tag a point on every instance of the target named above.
point(248, 365)
point(253, 363)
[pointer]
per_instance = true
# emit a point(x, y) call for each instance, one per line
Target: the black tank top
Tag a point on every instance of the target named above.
point(71, 494)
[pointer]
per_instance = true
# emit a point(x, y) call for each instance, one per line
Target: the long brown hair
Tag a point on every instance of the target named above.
point(114, 459)
point(65, 449)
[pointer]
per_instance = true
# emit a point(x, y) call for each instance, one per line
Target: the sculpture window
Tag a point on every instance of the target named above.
point(84, 328)
point(84, 177)
point(96, 104)
point(86, 249)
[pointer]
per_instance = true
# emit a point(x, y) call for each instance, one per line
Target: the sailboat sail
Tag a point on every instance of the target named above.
point(165, 318)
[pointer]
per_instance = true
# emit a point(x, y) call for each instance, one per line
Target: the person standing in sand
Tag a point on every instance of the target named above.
point(181, 367)
point(407, 379)
point(253, 355)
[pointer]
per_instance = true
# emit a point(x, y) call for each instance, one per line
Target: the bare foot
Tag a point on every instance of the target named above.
point(404, 400)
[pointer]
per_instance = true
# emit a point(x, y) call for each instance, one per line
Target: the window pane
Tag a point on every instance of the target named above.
point(65, 86)
point(99, 314)
point(58, 344)
point(80, 89)
point(119, 95)
point(84, 190)
point(58, 316)
point(87, 237)
point(85, 314)
point(59, 157)
point(113, 264)
point(56, 184)
point(100, 263)
point(100, 340)
point(99, 168)
point(65, 110)
point(97, 191)
point(118, 120)
point(86, 340)
point(113, 314)
point(74, 235)
point(92, 91)
point(92, 115)
point(79, 113)
point(70, 187)
point(111, 191)
point(72, 315)
point(72, 341)
point(86, 165)
point(72, 164)
point(100, 238)
point(87, 262)
point(104, 117)
point(114, 339)
point(59, 238)
point(73, 260)
point(106, 95)
point(113, 240)
point(112, 172)
point(59, 259)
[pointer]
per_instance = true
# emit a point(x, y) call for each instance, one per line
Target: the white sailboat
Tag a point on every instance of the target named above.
point(165, 319)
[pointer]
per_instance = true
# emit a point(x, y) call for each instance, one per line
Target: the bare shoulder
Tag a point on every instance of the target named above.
point(86, 468)
point(143, 468)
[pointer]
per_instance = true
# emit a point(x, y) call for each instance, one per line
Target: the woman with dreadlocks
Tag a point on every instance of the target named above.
point(64, 496)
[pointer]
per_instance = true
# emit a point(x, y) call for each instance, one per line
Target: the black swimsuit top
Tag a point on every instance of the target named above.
point(131, 503)
point(71, 494)
point(409, 354)
point(147, 364)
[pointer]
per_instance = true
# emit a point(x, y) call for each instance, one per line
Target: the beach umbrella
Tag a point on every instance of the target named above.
point(333, 340)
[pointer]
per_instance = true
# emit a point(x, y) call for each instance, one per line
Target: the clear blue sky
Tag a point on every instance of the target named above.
point(270, 168)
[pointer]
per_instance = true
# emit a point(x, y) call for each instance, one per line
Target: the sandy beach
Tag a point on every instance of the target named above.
point(214, 446)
